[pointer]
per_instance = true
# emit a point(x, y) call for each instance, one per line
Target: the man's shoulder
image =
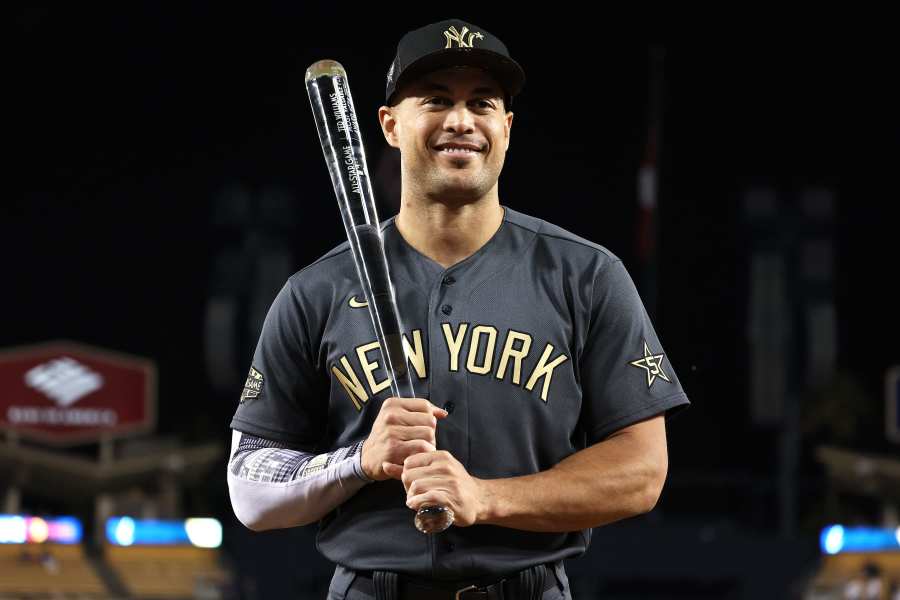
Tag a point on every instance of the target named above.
point(558, 240)
point(332, 269)
point(338, 258)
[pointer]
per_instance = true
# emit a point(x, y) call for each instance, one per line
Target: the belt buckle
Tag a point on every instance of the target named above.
point(464, 590)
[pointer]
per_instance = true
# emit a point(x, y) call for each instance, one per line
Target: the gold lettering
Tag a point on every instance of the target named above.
point(454, 342)
point(370, 367)
point(460, 37)
point(517, 355)
point(489, 352)
point(453, 35)
point(350, 383)
point(417, 356)
point(545, 370)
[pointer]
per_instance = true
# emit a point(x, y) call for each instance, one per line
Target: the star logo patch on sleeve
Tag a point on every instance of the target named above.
point(253, 385)
point(652, 363)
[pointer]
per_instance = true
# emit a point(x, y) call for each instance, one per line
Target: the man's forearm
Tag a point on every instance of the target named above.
point(273, 487)
point(614, 479)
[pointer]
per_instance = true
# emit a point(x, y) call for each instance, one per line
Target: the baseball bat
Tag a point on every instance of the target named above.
point(342, 145)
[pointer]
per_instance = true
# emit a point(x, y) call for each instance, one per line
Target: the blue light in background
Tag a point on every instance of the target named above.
point(202, 533)
point(832, 539)
point(836, 539)
point(120, 531)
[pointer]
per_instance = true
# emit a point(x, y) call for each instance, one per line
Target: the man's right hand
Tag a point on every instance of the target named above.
point(403, 427)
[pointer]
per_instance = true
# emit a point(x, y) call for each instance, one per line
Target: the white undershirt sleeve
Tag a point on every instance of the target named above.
point(272, 486)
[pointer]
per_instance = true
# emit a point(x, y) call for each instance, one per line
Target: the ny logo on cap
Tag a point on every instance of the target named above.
point(462, 41)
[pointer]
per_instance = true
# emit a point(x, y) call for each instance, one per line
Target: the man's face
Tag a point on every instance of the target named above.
point(452, 129)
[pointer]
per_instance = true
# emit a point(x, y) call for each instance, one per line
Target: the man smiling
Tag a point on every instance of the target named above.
point(452, 128)
point(543, 385)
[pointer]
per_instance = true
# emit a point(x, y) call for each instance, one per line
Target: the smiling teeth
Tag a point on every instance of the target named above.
point(457, 150)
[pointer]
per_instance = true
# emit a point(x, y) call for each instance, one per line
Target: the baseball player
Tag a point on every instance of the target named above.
point(543, 385)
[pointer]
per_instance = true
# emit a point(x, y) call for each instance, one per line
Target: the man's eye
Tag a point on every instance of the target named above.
point(437, 100)
point(484, 104)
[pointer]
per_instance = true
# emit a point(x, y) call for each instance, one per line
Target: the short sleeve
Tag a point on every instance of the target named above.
point(626, 375)
point(284, 398)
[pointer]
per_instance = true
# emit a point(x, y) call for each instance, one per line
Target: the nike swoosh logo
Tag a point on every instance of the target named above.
point(354, 303)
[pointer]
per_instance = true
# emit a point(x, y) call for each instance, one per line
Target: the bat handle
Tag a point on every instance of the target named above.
point(433, 519)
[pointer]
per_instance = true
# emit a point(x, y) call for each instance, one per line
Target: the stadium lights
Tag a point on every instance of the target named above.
point(24, 529)
point(201, 533)
point(837, 539)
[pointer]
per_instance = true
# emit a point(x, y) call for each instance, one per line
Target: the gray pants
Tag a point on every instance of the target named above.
point(343, 578)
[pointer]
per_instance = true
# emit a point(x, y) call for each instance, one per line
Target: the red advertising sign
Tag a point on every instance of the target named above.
point(64, 393)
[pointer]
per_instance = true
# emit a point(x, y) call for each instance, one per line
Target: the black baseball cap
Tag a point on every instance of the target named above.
point(452, 43)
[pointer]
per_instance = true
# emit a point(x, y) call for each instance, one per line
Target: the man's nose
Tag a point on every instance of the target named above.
point(459, 119)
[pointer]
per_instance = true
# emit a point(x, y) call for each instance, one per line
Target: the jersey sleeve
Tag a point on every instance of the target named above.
point(626, 375)
point(284, 397)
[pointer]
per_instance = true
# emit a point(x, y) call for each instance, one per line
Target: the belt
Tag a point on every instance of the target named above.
point(409, 588)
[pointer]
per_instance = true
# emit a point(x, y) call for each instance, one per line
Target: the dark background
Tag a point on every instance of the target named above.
point(127, 121)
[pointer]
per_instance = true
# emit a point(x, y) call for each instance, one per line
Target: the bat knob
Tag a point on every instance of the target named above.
point(433, 519)
point(325, 68)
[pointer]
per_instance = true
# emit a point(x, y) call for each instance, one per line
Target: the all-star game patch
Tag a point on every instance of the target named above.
point(253, 386)
point(652, 364)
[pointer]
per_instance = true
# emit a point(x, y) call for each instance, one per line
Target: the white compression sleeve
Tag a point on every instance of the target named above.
point(272, 486)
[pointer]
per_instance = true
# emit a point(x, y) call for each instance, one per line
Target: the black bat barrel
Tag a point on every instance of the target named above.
point(342, 145)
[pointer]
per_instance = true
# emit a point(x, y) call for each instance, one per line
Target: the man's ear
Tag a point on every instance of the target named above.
point(388, 122)
point(509, 120)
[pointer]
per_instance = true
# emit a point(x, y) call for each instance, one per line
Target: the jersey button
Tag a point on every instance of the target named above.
point(451, 547)
point(449, 406)
point(446, 309)
point(449, 280)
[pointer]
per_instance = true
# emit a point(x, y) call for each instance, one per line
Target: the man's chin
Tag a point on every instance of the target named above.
point(457, 194)
point(461, 186)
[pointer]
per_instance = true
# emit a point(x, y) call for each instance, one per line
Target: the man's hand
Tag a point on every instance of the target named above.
point(437, 478)
point(403, 427)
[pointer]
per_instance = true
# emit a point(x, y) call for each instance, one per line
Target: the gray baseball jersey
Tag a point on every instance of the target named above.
point(537, 345)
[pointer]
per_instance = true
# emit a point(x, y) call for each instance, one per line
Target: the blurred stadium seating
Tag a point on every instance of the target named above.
point(48, 571)
point(857, 564)
point(167, 572)
point(44, 558)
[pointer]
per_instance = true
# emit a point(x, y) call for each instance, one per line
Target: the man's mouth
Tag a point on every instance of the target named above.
point(458, 149)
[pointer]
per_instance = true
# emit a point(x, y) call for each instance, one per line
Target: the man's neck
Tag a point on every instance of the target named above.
point(446, 233)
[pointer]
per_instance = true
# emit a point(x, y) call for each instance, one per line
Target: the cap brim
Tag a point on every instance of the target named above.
point(508, 73)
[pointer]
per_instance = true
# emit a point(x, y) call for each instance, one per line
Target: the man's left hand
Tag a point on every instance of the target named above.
point(437, 478)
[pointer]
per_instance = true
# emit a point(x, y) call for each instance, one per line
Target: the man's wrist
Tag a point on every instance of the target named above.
point(488, 508)
point(358, 463)
point(358, 468)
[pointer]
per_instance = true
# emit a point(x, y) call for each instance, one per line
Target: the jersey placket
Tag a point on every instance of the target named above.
point(448, 387)
point(449, 390)
point(449, 292)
